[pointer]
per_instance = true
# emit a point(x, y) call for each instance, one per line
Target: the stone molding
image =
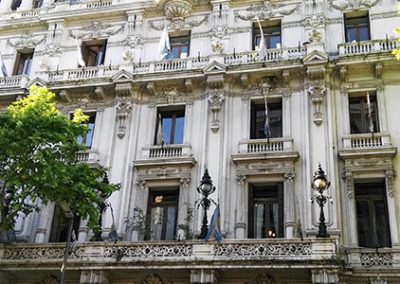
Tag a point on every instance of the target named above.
point(342, 5)
point(266, 10)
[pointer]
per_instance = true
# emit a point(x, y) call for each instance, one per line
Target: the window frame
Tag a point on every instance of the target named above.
point(155, 192)
point(361, 98)
point(180, 42)
point(59, 226)
point(349, 17)
point(269, 28)
point(23, 62)
point(92, 120)
point(259, 106)
point(367, 240)
point(91, 56)
point(275, 197)
point(178, 111)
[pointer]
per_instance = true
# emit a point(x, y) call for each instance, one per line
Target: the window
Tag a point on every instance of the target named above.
point(363, 115)
point(180, 46)
point(15, 4)
point(87, 140)
point(258, 119)
point(37, 3)
point(272, 34)
point(93, 52)
point(372, 215)
point(266, 211)
point(171, 121)
point(163, 211)
point(23, 62)
point(59, 226)
point(356, 28)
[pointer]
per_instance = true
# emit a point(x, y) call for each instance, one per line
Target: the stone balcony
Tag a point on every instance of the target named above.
point(367, 47)
point(366, 258)
point(91, 157)
point(228, 254)
point(367, 144)
point(13, 85)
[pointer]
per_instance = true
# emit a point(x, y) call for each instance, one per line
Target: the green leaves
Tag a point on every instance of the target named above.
point(38, 156)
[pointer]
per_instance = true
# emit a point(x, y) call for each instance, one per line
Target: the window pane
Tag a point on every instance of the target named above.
point(258, 120)
point(362, 115)
point(275, 40)
point(156, 223)
point(364, 33)
point(170, 227)
point(166, 127)
point(178, 135)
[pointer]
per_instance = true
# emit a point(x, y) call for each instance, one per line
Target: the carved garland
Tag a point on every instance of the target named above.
point(352, 4)
point(268, 9)
point(96, 30)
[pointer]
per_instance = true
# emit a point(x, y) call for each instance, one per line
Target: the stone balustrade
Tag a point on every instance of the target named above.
point(372, 258)
point(366, 141)
point(227, 252)
point(18, 81)
point(264, 145)
point(367, 47)
point(166, 151)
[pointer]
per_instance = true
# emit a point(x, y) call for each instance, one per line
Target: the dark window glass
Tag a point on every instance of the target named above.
point(172, 125)
point(272, 36)
point(15, 4)
point(23, 63)
point(258, 120)
point(37, 3)
point(372, 215)
point(59, 226)
point(94, 52)
point(163, 211)
point(179, 45)
point(87, 140)
point(266, 211)
point(362, 115)
point(357, 28)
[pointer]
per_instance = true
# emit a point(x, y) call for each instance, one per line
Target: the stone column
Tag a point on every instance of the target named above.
point(5, 6)
point(183, 208)
point(351, 217)
point(241, 207)
point(391, 203)
point(45, 219)
point(83, 231)
point(206, 276)
point(26, 5)
point(93, 277)
point(289, 205)
point(325, 276)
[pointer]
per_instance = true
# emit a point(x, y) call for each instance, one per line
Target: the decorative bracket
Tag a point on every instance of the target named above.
point(316, 91)
point(124, 107)
point(216, 99)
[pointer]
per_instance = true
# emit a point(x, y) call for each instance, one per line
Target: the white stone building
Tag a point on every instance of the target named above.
point(332, 90)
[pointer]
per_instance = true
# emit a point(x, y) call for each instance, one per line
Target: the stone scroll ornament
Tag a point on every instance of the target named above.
point(352, 4)
point(266, 10)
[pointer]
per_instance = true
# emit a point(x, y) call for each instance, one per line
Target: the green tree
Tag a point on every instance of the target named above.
point(38, 160)
point(396, 52)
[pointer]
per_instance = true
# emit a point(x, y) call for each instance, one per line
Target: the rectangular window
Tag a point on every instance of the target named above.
point(59, 226)
point(163, 212)
point(172, 122)
point(180, 46)
point(266, 211)
point(94, 52)
point(23, 62)
point(372, 215)
point(257, 121)
point(15, 4)
point(363, 115)
point(87, 140)
point(37, 4)
point(272, 34)
point(356, 28)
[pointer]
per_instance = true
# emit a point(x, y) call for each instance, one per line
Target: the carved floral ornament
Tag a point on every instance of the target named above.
point(96, 30)
point(316, 91)
point(216, 100)
point(124, 107)
point(352, 4)
point(266, 10)
point(27, 40)
point(314, 22)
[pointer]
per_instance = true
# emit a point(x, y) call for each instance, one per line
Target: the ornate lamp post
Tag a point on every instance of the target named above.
point(7, 198)
point(321, 183)
point(205, 188)
point(102, 207)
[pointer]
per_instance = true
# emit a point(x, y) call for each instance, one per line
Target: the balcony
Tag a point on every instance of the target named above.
point(367, 144)
point(12, 86)
point(268, 253)
point(367, 47)
point(91, 157)
point(365, 258)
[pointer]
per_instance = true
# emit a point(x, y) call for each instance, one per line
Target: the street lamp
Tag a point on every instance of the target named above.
point(7, 198)
point(205, 188)
point(102, 207)
point(321, 183)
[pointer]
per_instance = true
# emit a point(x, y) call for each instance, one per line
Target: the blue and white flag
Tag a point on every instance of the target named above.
point(215, 226)
point(267, 130)
point(3, 67)
point(261, 46)
point(164, 49)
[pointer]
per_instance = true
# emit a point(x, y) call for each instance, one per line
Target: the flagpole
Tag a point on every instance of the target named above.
point(262, 47)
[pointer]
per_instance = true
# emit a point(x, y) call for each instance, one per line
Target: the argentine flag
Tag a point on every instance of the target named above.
point(214, 228)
